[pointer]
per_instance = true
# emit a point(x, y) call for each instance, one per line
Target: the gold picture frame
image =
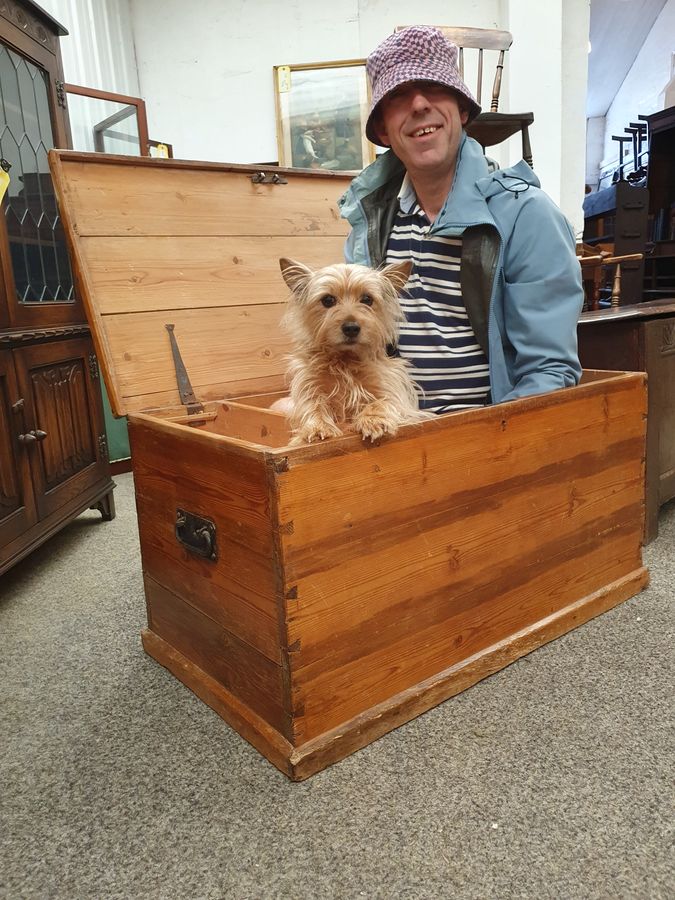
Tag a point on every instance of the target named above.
point(321, 111)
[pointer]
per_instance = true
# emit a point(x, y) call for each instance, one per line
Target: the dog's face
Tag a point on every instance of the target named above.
point(342, 308)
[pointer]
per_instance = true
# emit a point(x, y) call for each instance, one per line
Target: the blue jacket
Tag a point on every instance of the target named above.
point(520, 279)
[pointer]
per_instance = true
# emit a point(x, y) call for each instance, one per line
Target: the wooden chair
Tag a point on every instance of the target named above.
point(489, 128)
point(593, 273)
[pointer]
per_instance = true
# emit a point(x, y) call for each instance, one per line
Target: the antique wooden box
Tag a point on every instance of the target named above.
point(319, 596)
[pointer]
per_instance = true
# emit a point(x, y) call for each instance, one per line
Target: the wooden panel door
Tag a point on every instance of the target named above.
point(63, 407)
point(17, 503)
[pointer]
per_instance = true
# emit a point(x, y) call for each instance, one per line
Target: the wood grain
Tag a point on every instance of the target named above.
point(217, 345)
point(323, 699)
point(249, 676)
point(130, 275)
point(390, 583)
point(334, 745)
point(424, 469)
point(194, 469)
point(109, 197)
point(197, 245)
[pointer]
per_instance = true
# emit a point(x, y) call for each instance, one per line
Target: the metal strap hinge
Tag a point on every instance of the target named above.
point(187, 395)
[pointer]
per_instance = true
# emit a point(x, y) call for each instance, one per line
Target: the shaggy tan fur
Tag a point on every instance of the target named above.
point(341, 319)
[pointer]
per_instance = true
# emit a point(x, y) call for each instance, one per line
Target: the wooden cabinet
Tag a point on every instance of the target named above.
point(53, 453)
point(641, 338)
point(660, 261)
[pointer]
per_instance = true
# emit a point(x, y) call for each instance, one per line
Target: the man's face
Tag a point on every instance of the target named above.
point(422, 122)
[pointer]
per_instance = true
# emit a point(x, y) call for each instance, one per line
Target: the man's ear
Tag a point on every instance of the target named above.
point(296, 275)
point(464, 115)
point(380, 131)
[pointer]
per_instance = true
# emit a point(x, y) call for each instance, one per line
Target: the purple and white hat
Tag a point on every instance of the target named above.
point(418, 53)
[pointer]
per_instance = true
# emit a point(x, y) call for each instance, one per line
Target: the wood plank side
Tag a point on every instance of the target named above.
point(373, 598)
point(255, 680)
point(217, 345)
point(158, 401)
point(334, 745)
point(108, 198)
point(421, 575)
point(198, 470)
point(140, 273)
point(418, 473)
point(237, 590)
point(178, 468)
point(327, 698)
point(83, 284)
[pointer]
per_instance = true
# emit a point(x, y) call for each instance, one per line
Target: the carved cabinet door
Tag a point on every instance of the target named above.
point(17, 505)
point(60, 383)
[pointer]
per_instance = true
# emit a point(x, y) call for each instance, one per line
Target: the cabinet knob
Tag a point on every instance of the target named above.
point(30, 437)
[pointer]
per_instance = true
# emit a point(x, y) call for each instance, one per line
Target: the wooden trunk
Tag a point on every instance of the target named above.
point(318, 596)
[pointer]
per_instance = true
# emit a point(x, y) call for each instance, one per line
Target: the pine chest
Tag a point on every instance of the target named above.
point(317, 597)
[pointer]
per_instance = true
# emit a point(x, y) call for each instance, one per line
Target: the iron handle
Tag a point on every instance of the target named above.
point(197, 534)
point(39, 434)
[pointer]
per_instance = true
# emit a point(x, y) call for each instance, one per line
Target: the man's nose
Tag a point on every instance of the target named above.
point(420, 100)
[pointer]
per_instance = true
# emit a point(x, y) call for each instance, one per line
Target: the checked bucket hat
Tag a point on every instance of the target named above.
point(418, 53)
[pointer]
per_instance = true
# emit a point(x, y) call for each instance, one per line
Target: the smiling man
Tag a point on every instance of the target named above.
point(495, 292)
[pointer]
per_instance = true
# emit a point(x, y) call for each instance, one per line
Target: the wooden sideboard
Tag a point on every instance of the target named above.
point(641, 338)
point(53, 446)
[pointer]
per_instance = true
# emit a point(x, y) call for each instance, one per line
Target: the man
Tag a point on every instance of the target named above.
point(495, 292)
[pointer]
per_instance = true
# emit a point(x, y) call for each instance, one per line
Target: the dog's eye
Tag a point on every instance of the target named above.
point(367, 300)
point(328, 301)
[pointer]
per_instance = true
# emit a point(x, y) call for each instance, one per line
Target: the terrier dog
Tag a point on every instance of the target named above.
point(343, 320)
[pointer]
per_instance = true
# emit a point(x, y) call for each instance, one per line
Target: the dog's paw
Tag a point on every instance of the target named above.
point(373, 427)
point(316, 431)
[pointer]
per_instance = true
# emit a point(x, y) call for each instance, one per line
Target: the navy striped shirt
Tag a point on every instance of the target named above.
point(437, 339)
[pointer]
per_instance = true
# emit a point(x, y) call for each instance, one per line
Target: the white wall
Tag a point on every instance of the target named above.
point(640, 92)
point(595, 148)
point(206, 73)
point(210, 74)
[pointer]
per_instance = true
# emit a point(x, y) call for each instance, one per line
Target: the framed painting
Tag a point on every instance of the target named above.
point(321, 115)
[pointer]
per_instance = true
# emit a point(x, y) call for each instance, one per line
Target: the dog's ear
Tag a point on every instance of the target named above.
point(296, 275)
point(397, 274)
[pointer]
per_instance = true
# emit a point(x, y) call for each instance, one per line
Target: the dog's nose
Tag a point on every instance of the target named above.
point(350, 329)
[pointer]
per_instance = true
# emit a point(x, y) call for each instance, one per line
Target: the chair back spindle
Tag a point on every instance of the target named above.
point(494, 105)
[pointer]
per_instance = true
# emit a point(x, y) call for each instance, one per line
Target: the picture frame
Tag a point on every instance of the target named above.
point(321, 111)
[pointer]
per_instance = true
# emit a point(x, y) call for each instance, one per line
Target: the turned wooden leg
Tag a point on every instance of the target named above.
point(616, 286)
point(106, 506)
point(527, 150)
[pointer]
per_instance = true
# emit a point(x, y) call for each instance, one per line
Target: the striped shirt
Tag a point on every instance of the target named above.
point(437, 339)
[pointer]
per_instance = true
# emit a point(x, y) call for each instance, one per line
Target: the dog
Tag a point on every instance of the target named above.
point(343, 321)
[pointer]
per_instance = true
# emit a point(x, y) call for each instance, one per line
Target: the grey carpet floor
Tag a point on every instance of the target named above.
point(551, 779)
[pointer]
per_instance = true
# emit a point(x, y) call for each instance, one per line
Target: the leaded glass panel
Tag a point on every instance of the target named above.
point(37, 243)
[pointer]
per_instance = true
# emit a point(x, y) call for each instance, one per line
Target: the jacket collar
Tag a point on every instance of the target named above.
point(473, 185)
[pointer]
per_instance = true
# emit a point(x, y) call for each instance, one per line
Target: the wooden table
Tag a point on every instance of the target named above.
point(641, 338)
